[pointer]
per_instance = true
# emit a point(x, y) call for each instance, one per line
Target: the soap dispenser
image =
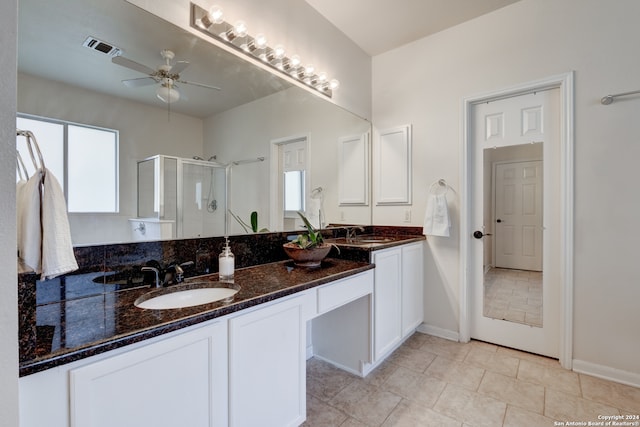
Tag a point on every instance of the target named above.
point(226, 262)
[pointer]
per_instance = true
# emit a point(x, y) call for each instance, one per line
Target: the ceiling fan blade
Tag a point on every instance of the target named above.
point(179, 66)
point(120, 60)
point(199, 84)
point(142, 81)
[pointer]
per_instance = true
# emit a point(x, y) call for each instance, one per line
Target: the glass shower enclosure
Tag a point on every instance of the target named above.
point(187, 196)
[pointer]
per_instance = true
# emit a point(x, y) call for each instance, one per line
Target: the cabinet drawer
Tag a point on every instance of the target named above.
point(343, 291)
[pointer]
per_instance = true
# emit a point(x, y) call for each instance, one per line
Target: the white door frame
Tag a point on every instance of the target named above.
point(565, 83)
point(276, 209)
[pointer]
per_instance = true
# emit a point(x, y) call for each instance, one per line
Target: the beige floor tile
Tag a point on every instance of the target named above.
point(552, 377)
point(462, 389)
point(320, 414)
point(535, 358)
point(513, 315)
point(621, 396)
point(324, 380)
point(483, 345)
point(494, 362)
point(417, 360)
point(408, 414)
point(416, 340)
point(352, 422)
point(470, 407)
point(518, 393)
point(415, 387)
point(450, 349)
point(365, 402)
point(517, 417)
point(563, 406)
point(457, 373)
point(513, 295)
point(378, 376)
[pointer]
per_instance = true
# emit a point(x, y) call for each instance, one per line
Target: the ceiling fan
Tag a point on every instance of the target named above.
point(166, 76)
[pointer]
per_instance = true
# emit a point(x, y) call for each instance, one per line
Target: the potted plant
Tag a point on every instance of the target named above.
point(308, 249)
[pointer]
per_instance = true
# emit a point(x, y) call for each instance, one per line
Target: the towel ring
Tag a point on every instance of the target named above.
point(439, 184)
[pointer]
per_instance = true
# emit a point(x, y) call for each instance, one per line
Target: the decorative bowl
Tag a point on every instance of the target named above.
point(309, 257)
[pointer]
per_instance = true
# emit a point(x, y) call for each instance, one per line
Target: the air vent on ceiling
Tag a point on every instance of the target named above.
point(100, 46)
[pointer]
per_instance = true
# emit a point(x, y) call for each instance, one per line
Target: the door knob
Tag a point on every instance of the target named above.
point(479, 234)
point(498, 220)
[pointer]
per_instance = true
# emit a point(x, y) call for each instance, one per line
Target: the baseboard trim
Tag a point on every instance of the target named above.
point(607, 373)
point(438, 332)
point(309, 352)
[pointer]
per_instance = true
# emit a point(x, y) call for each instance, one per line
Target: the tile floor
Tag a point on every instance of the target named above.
point(514, 295)
point(430, 381)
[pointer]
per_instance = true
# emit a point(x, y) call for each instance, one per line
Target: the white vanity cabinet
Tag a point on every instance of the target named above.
point(178, 379)
point(412, 287)
point(267, 372)
point(398, 295)
point(387, 300)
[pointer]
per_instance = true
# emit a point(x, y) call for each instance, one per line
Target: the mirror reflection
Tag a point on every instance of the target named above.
point(513, 218)
point(252, 116)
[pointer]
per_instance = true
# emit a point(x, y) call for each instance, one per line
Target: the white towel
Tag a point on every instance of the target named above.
point(30, 229)
point(436, 217)
point(57, 248)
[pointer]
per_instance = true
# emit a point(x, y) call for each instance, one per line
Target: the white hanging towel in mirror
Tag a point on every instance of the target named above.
point(29, 232)
point(436, 217)
point(57, 249)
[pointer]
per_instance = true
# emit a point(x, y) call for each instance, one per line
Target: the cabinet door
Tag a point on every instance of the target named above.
point(412, 287)
point(180, 381)
point(387, 300)
point(267, 366)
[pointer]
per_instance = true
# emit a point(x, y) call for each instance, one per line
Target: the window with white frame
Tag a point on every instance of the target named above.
point(83, 158)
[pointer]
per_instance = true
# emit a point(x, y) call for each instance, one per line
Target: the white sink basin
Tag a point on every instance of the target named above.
point(187, 295)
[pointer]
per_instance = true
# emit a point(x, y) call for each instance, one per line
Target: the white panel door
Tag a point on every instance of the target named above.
point(524, 119)
point(518, 211)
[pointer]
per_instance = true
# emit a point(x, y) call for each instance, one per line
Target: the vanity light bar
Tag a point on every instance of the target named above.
point(212, 24)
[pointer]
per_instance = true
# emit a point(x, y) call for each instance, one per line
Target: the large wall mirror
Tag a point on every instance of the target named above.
point(242, 130)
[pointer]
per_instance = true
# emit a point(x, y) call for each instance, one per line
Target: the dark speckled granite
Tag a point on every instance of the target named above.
point(93, 324)
point(89, 312)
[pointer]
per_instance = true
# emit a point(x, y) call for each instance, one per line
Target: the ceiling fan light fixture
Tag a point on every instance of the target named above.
point(167, 93)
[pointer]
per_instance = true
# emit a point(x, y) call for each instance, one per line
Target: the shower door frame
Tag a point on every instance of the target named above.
point(180, 192)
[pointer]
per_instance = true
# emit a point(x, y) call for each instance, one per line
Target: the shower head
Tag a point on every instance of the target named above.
point(316, 193)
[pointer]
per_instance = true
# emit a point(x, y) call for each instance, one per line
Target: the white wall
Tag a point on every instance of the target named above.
point(144, 131)
point(246, 132)
point(526, 41)
point(8, 290)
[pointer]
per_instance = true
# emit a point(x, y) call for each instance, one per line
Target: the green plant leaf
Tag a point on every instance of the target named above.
point(254, 221)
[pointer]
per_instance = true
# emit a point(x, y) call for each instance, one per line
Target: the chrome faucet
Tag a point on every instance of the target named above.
point(174, 273)
point(158, 284)
point(351, 231)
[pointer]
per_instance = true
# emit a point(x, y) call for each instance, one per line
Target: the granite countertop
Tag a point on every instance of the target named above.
point(375, 242)
point(80, 327)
